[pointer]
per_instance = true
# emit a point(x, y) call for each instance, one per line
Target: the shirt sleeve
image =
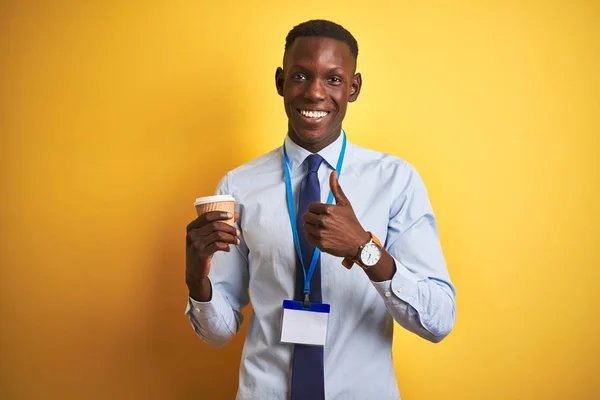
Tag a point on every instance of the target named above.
point(218, 320)
point(420, 295)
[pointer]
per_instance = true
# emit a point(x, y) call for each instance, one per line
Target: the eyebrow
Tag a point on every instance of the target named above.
point(330, 69)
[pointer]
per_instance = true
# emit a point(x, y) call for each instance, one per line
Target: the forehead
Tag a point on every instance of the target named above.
point(319, 52)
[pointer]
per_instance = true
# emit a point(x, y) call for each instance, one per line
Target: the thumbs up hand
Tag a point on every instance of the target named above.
point(334, 228)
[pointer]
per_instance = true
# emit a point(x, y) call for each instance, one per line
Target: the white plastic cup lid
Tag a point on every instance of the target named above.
point(213, 199)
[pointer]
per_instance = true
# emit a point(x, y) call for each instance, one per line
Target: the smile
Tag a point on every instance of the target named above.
point(313, 115)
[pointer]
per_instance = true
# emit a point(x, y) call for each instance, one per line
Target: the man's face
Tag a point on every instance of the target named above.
point(317, 82)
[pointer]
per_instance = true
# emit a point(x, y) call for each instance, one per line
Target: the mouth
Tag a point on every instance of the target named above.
point(313, 116)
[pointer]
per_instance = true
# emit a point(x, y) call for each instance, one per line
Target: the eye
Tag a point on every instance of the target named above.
point(298, 76)
point(335, 79)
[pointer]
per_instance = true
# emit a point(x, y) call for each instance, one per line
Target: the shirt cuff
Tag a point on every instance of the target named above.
point(403, 285)
point(203, 310)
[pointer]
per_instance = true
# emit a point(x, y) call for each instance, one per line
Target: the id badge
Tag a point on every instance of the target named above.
point(304, 325)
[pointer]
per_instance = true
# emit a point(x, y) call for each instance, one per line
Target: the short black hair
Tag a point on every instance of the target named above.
point(322, 28)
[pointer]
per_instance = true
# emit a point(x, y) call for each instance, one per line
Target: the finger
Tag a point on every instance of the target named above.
point(312, 239)
point(311, 230)
point(218, 241)
point(217, 246)
point(216, 226)
point(208, 217)
point(313, 219)
point(336, 189)
point(221, 236)
point(236, 216)
point(319, 208)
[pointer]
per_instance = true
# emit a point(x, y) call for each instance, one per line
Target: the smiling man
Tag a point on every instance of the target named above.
point(326, 269)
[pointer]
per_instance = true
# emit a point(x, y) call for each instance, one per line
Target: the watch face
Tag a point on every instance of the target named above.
point(370, 254)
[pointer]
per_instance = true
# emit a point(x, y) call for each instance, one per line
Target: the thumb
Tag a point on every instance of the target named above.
point(336, 189)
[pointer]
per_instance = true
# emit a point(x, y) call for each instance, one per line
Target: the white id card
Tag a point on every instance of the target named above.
point(304, 325)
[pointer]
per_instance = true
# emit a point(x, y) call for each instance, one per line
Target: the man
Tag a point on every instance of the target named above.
point(383, 201)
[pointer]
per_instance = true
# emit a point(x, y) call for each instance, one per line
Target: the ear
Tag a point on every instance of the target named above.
point(279, 80)
point(355, 86)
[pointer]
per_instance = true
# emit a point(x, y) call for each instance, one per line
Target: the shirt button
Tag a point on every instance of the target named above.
point(387, 294)
point(399, 290)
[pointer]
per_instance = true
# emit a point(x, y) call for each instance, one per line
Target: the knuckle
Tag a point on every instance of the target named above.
point(208, 216)
point(221, 235)
point(322, 221)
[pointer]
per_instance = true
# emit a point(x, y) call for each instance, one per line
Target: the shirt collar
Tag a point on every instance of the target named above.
point(297, 154)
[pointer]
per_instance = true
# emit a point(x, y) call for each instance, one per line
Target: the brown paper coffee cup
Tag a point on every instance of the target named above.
point(224, 203)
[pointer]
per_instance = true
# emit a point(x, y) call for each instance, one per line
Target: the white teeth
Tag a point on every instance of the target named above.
point(313, 114)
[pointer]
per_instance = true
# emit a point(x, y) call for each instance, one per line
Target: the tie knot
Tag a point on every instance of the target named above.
point(314, 162)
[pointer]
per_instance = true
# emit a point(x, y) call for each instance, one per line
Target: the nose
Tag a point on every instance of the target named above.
point(315, 90)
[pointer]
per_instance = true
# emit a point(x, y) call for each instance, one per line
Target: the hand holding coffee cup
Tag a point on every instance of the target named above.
point(212, 231)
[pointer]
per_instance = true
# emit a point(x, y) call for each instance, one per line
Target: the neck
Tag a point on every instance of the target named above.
point(315, 147)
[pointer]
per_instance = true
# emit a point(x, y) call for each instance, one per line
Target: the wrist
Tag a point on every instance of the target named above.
point(384, 270)
point(361, 239)
point(200, 290)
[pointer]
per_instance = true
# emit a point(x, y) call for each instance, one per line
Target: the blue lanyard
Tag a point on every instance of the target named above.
point(292, 212)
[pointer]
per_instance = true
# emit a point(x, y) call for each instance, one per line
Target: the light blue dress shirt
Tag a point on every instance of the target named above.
point(390, 200)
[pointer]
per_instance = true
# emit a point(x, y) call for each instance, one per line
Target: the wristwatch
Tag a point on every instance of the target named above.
point(368, 254)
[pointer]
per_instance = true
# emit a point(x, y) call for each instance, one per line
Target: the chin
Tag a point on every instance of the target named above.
point(310, 136)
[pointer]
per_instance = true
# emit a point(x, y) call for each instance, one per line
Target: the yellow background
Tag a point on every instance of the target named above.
point(116, 115)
